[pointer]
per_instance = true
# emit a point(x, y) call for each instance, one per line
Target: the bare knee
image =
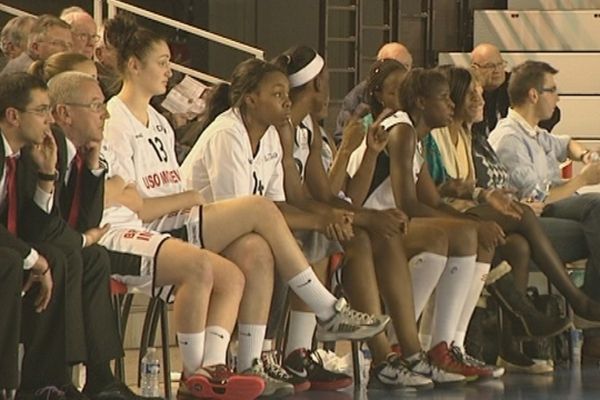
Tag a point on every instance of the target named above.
point(253, 255)
point(435, 242)
point(359, 245)
point(197, 269)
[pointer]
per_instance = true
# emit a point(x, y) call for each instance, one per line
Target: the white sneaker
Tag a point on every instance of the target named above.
point(422, 366)
point(349, 324)
point(393, 374)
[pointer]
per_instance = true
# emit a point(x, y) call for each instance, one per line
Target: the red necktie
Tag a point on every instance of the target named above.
point(77, 169)
point(11, 191)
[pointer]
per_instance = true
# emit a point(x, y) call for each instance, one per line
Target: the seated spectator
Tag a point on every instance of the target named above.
point(490, 69)
point(13, 38)
point(532, 157)
point(83, 28)
point(48, 35)
point(357, 96)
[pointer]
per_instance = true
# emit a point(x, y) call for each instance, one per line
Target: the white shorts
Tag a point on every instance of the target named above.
point(133, 259)
point(184, 224)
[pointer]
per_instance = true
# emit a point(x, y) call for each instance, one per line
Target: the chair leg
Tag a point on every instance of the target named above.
point(356, 367)
point(164, 331)
point(126, 309)
point(119, 362)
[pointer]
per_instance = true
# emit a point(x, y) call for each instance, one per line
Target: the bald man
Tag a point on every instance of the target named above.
point(490, 68)
point(83, 29)
point(357, 95)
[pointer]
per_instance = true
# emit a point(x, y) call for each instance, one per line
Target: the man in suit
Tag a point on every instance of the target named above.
point(58, 334)
point(48, 323)
point(78, 197)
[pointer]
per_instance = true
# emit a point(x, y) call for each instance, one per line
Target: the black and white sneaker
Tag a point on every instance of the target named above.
point(393, 374)
point(276, 371)
point(349, 324)
point(306, 364)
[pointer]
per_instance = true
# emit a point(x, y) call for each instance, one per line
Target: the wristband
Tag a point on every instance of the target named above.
point(48, 177)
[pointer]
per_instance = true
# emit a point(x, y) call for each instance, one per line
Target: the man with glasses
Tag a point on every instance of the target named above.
point(490, 68)
point(532, 157)
point(49, 35)
point(83, 28)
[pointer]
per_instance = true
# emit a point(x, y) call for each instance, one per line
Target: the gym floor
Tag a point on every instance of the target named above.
point(565, 383)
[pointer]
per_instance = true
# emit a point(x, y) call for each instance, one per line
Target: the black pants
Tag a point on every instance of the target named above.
point(78, 325)
point(11, 274)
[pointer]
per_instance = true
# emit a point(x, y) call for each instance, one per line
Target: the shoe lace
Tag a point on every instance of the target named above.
point(49, 393)
point(357, 316)
point(272, 368)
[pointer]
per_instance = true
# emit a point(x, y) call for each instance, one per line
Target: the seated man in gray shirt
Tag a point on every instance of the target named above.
point(532, 156)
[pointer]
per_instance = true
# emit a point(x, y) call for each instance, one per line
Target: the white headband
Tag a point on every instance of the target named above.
point(307, 73)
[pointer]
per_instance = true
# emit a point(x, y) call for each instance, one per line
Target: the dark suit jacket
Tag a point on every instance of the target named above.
point(55, 228)
point(6, 238)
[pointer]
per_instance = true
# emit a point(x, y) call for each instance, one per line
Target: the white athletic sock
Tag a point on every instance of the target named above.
point(308, 287)
point(191, 347)
point(451, 294)
point(250, 338)
point(301, 329)
point(215, 345)
point(425, 271)
point(481, 271)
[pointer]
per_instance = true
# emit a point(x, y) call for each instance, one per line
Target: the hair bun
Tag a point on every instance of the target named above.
point(119, 31)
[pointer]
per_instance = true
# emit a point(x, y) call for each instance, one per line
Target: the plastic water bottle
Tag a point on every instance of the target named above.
point(365, 364)
point(150, 373)
point(576, 343)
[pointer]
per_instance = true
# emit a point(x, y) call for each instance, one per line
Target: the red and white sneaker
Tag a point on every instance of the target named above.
point(219, 382)
point(492, 371)
point(442, 357)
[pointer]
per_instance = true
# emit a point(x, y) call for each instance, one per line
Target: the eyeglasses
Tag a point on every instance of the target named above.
point(87, 37)
point(499, 65)
point(41, 110)
point(59, 43)
point(552, 89)
point(94, 106)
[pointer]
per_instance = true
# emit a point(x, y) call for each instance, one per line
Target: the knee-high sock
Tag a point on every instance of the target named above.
point(425, 272)
point(451, 294)
point(481, 271)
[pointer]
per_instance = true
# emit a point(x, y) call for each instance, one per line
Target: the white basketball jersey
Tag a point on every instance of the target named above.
point(221, 165)
point(146, 153)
